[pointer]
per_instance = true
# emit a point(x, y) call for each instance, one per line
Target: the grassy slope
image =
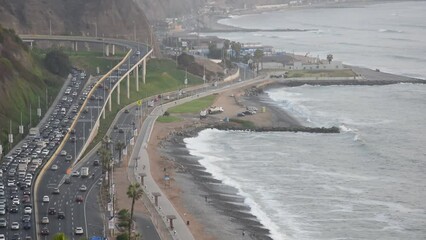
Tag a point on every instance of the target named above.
point(194, 106)
point(22, 81)
point(162, 76)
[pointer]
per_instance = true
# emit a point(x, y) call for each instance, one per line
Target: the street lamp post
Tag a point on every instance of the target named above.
point(134, 31)
point(96, 30)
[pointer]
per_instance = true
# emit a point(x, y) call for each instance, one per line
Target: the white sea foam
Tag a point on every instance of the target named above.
point(199, 147)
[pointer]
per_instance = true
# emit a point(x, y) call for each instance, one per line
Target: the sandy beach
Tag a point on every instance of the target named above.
point(214, 211)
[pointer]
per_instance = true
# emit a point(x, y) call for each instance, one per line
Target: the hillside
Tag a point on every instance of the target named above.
point(160, 9)
point(23, 80)
point(109, 18)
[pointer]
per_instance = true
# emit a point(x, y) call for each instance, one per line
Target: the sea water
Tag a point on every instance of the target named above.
point(368, 182)
point(390, 36)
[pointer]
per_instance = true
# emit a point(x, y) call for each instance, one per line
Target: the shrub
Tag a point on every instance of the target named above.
point(57, 62)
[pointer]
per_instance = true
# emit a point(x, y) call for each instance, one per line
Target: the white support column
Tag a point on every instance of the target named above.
point(128, 86)
point(31, 45)
point(144, 70)
point(107, 50)
point(137, 77)
point(110, 103)
point(113, 49)
point(118, 93)
point(76, 46)
point(103, 113)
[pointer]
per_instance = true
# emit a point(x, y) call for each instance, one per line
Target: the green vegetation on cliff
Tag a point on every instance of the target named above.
point(24, 82)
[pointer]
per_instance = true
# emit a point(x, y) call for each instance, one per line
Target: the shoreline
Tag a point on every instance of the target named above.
point(223, 214)
point(214, 210)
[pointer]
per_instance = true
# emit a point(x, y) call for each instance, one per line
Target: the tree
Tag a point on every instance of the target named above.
point(105, 155)
point(258, 55)
point(236, 47)
point(185, 60)
point(58, 62)
point(135, 192)
point(119, 146)
point(329, 58)
point(60, 236)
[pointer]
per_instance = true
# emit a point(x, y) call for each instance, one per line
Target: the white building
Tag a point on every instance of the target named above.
point(325, 65)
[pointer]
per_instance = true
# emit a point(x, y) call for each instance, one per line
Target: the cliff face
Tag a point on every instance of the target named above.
point(160, 9)
point(23, 80)
point(109, 18)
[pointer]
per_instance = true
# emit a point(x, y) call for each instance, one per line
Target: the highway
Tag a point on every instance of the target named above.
point(75, 212)
point(63, 211)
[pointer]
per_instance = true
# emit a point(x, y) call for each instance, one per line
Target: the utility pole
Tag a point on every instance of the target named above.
point(31, 123)
point(134, 30)
point(50, 27)
point(21, 127)
point(96, 30)
point(47, 101)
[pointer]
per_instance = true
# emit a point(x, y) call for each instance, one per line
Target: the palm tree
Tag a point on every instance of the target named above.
point(329, 58)
point(119, 146)
point(134, 191)
point(105, 155)
point(60, 236)
point(258, 55)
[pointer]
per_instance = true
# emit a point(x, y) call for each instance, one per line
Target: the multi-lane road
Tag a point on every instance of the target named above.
point(78, 195)
point(66, 201)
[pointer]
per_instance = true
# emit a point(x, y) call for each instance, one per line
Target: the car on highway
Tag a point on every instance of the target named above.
point(79, 198)
point(52, 211)
point(2, 211)
point(54, 167)
point(3, 222)
point(83, 188)
point(96, 162)
point(46, 199)
point(2, 237)
point(75, 173)
point(44, 231)
point(61, 215)
point(27, 225)
point(67, 181)
point(1, 192)
point(16, 201)
point(56, 191)
point(26, 218)
point(79, 231)
point(45, 220)
point(63, 153)
point(68, 157)
point(14, 209)
point(14, 226)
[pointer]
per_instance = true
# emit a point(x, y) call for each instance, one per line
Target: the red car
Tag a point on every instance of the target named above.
point(79, 198)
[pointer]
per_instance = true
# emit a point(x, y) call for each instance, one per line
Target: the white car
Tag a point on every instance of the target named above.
point(29, 176)
point(75, 173)
point(28, 182)
point(2, 237)
point(45, 152)
point(15, 201)
point(46, 199)
point(28, 210)
point(54, 167)
point(83, 188)
point(63, 153)
point(2, 211)
point(79, 231)
point(14, 226)
point(45, 220)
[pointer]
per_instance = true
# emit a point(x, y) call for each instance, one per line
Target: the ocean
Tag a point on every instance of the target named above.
point(368, 182)
point(387, 36)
